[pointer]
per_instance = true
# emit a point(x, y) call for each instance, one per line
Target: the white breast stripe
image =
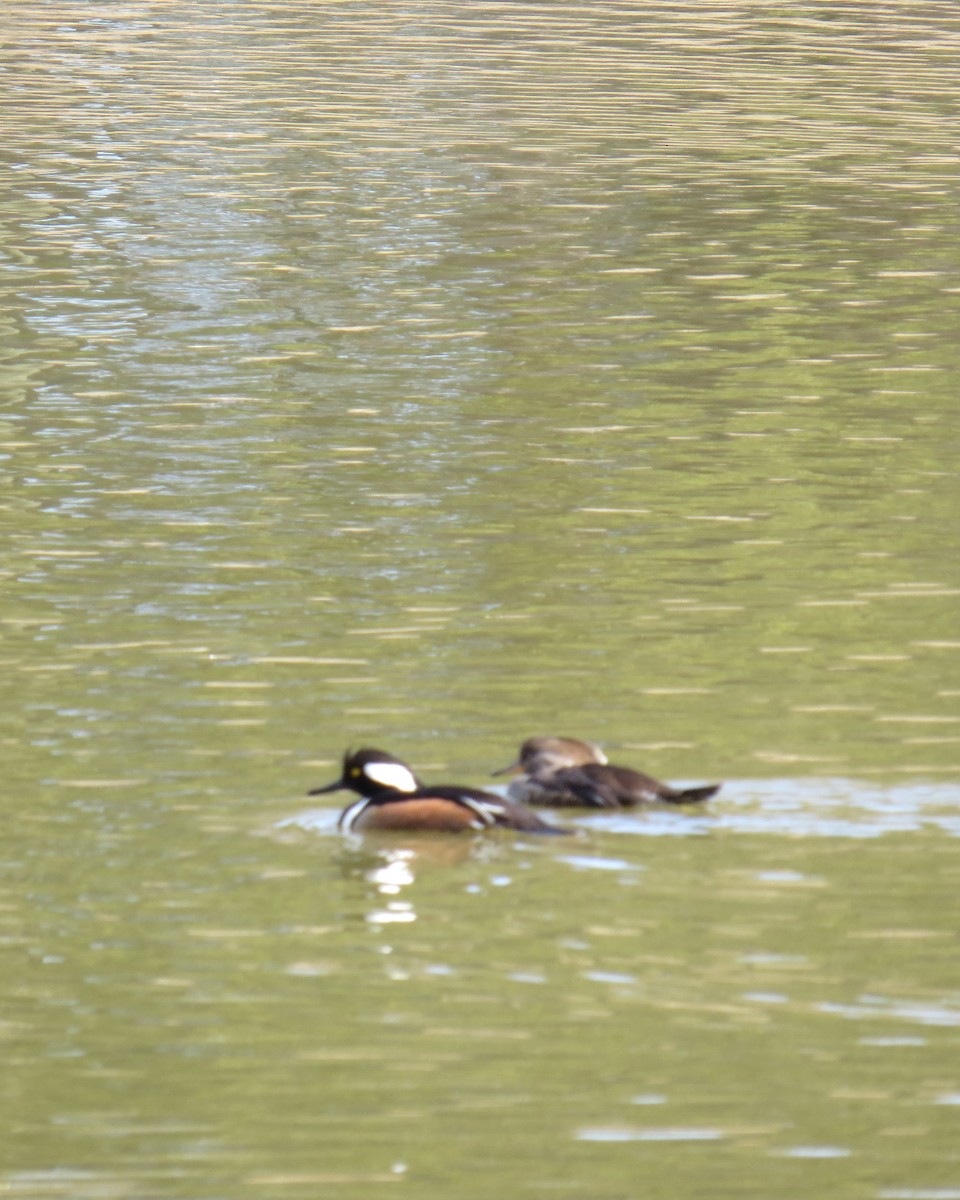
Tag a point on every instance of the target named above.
point(394, 776)
point(348, 817)
point(487, 812)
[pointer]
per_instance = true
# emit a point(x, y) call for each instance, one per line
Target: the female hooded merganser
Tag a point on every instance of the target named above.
point(567, 773)
point(393, 798)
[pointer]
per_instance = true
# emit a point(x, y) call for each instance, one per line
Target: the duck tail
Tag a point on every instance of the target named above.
point(695, 795)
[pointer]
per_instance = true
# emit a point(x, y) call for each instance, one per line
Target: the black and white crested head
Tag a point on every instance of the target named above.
point(383, 771)
point(370, 772)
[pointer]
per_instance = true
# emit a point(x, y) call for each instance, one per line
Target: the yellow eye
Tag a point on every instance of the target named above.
point(354, 772)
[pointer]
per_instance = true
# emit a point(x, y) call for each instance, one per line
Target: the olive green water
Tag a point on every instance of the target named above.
point(432, 375)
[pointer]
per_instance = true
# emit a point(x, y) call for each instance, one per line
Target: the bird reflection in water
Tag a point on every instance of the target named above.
point(392, 868)
point(395, 873)
point(390, 878)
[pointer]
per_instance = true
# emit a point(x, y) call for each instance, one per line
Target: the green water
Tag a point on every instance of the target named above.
point(431, 376)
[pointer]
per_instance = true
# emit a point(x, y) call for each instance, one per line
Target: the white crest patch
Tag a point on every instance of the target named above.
point(394, 776)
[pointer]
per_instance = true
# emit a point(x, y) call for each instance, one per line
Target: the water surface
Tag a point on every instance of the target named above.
point(434, 375)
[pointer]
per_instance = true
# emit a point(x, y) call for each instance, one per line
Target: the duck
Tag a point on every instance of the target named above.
point(391, 797)
point(565, 772)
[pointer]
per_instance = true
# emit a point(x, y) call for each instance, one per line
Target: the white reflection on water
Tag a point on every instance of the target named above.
point(609, 977)
point(814, 1152)
point(893, 1041)
point(880, 1006)
point(919, 1194)
point(837, 808)
point(390, 876)
point(395, 873)
point(617, 1134)
point(584, 862)
point(396, 913)
point(315, 820)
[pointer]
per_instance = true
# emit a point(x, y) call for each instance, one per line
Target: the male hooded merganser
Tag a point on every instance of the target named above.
point(567, 773)
point(392, 797)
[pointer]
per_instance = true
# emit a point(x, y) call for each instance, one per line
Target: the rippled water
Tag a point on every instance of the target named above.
point(433, 375)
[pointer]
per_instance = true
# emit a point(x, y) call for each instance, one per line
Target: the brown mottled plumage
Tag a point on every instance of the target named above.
point(562, 772)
